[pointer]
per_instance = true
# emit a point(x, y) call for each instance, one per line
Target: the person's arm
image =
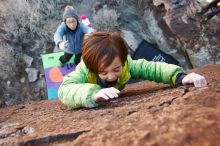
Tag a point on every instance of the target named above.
point(165, 73)
point(75, 91)
point(154, 71)
point(60, 32)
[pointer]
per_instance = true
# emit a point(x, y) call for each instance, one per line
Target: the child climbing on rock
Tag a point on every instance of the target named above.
point(107, 67)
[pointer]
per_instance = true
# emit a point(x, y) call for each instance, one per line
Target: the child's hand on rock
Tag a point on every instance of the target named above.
point(196, 79)
point(106, 94)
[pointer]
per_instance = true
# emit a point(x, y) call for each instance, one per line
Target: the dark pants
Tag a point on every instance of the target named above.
point(213, 13)
point(210, 5)
point(214, 9)
point(67, 56)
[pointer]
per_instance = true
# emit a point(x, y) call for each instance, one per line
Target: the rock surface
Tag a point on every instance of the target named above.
point(27, 29)
point(147, 113)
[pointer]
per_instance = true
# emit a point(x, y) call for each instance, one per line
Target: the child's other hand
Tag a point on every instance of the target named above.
point(196, 79)
point(106, 94)
point(63, 45)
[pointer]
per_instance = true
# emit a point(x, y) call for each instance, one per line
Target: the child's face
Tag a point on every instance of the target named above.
point(71, 23)
point(113, 71)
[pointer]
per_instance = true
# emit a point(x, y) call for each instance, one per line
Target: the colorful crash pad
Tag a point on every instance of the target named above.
point(54, 72)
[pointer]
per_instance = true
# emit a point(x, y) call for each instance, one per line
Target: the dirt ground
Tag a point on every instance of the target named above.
point(147, 114)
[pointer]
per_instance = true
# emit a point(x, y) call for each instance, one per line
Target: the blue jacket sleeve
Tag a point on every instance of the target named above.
point(60, 32)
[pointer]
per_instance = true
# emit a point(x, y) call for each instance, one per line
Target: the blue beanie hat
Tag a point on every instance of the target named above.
point(70, 12)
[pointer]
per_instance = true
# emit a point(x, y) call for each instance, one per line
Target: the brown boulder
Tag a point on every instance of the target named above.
point(147, 113)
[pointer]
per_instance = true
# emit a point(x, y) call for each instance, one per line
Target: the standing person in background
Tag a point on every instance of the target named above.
point(69, 36)
point(106, 68)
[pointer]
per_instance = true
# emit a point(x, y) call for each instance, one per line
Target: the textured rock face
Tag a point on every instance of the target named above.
point(146, 114)
point(27, 28)
point(182, 32)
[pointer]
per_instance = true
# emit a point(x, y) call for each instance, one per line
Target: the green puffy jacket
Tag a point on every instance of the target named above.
point(78, 87)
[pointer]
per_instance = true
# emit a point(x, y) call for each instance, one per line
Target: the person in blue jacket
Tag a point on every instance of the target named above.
point(69, 36)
